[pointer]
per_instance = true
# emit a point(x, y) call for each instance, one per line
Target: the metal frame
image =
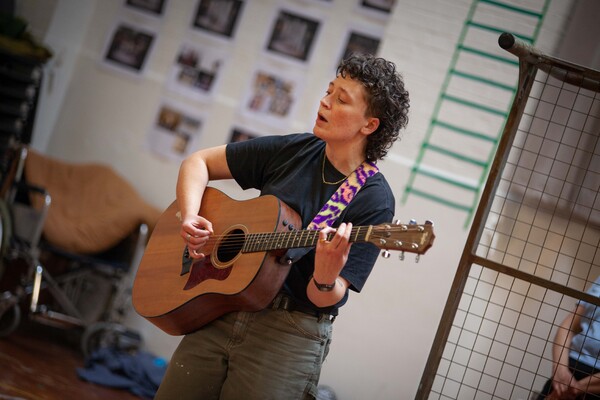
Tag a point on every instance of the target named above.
point(530, 61)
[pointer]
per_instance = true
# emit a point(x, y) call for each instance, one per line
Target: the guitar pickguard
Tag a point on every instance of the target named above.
point(219, 263)
point(203, 270)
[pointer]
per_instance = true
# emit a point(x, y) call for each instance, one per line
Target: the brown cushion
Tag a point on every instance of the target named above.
point(92, 209)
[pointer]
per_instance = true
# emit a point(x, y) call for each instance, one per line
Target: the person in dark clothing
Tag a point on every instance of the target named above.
point(277, 353)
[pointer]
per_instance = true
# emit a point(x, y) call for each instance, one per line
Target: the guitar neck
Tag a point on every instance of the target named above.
point(410, 237)
point(296, 239)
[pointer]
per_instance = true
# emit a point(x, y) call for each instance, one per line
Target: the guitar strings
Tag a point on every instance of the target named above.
point(282, 239)
point(235, 240)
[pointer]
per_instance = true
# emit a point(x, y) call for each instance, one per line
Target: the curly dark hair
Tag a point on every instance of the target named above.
point(386, 97)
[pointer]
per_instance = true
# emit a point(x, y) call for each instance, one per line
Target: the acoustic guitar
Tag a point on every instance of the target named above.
point(243, 270)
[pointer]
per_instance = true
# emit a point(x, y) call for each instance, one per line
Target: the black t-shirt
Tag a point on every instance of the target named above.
point(290, 168)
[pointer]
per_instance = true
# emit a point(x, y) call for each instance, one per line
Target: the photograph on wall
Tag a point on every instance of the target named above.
point(175, 131)
point(129, 47)
point(219, 17)
point(360, 42)
point(241, 134)
point(196, 70)
point(152, 7)
point(381, 6)
point(293, 35)
point(272, 95)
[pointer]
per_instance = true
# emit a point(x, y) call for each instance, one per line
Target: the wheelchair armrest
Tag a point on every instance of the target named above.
point(124, 256)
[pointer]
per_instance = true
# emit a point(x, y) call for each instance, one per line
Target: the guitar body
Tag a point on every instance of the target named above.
point(180, 295)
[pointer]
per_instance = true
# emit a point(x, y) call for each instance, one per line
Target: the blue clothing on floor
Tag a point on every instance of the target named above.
point(139, 372)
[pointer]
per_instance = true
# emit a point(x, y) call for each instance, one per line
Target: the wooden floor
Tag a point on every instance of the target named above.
point(37, 363)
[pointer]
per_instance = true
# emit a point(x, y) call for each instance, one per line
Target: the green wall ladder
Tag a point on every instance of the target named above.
point(456, 153)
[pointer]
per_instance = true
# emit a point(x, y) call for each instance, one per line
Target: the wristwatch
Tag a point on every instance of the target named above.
point(324, 287)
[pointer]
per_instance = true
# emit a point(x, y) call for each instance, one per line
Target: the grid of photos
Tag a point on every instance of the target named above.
point(199, 64)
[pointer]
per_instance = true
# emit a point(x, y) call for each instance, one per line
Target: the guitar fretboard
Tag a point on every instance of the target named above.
point(294, 239)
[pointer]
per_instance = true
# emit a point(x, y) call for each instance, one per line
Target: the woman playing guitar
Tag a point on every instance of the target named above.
point(277, 352)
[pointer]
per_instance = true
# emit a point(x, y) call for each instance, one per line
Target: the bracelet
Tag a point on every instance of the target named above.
point(324, 287)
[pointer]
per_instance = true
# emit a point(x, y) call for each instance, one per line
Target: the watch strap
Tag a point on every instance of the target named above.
point(324, 287)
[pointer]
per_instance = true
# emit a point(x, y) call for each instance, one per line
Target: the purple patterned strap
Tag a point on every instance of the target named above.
point(343, 196)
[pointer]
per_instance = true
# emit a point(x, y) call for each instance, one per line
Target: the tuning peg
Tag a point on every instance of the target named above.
point(428, 222)
point(413, 222)
point(385, 254)
point(401, 256)
point(417, 258)
point(399, 223)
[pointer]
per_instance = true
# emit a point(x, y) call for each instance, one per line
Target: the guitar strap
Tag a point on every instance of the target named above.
point(343, 196)
point(338, 202)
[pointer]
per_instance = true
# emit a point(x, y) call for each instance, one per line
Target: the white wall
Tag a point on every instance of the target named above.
point(383, 336)
point(64, 37)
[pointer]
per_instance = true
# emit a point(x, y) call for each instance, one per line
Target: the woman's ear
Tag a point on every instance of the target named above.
point(371, 126)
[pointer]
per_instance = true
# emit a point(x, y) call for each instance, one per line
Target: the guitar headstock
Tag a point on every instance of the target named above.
point(411, 237)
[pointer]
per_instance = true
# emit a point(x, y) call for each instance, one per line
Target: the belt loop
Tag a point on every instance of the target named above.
point(325, 316)
point(286, 303)
point(276, 301)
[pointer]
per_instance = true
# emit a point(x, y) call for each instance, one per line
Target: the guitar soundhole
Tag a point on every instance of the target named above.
point(231, 245)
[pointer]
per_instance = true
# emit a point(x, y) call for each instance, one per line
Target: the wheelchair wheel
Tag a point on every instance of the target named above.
point(108, 334)
point(10, 316)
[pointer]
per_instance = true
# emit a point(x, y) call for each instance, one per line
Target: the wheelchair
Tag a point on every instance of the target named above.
point(82, 292)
